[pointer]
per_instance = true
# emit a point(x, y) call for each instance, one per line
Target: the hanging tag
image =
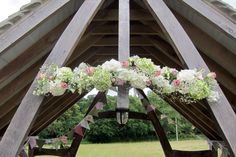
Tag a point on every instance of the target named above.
point(151, 108)
point(84, 123)
point(79, 130)
point(89, 118)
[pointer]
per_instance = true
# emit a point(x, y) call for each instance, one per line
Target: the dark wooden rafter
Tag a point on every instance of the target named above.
point(157, 125)
point(25, 115)
point(222, 109)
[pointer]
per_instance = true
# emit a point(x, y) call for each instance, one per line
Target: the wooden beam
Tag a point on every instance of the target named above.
point(123, 55)
point(132, 115)
point(222, 111)
point(27, 111)
point(112, 29)
point(27, 32)
point(31, 55)
point(157, 125)
point(113, 41)
point(112, 15)
point(208, 20)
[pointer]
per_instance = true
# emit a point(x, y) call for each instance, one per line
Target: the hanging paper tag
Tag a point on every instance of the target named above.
point(150, 108)
point(99, 105)
point(89, 118)
point(84, 123)
point(79, 130)
point(32, 142)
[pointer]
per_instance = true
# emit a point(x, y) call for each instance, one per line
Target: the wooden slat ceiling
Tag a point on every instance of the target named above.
point(98, 44)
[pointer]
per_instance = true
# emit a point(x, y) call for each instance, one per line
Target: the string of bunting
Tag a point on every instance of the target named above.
point(219, 145)
point(88, 119)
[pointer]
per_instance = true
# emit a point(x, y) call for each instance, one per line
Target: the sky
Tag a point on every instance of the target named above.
point(8, 7)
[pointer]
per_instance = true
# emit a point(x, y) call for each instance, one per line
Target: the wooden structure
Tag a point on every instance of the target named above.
point(180, 34)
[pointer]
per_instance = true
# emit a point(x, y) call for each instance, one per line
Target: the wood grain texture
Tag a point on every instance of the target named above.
point(27, 111)
point(222, 110)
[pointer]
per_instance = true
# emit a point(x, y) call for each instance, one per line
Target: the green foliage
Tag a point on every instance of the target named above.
point(108, 130)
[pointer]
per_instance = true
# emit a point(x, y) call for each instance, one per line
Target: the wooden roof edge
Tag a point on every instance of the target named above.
point(21, 14)
point(225, 9)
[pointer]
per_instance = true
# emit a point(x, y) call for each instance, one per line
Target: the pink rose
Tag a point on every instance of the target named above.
point(89, 71)
point(125, 64)
point(64, 85)
point(176, 83)
point(40, 76)
point(157, 73)
point(212, 75)
point(173, 71)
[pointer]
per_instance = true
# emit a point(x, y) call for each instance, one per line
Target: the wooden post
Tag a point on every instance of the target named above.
point(157, 125)
point(22, 121)
point(123, 54)
point(222, 110)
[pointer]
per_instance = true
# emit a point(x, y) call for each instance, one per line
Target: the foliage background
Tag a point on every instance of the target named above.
point(106, 130)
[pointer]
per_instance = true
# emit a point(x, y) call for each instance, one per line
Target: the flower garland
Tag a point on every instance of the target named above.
point(186, 85)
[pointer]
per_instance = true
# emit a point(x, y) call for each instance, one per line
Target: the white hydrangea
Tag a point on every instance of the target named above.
point(213, 97)
point(112, 65)
point(124, 74)
point(187, 75)
point(160, 81)
point(138, 80)
point(80, 68)
point(56, 89)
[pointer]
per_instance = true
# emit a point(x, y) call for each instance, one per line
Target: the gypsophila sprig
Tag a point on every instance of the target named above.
point(186, 85)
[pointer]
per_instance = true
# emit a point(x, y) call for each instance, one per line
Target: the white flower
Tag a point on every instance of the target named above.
point(112, 65)
point(124, 74)
point(187, 75)
point(213, 97)
point(138, 80)
point(56, 89)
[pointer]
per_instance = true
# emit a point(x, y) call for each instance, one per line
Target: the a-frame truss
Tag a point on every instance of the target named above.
point(173, 33)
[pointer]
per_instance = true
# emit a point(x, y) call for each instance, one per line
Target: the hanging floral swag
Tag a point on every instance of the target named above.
point(186, 85)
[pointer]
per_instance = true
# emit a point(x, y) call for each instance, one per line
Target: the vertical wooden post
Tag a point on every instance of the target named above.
point(222, 110)
point(24, 117)
point(123, 54)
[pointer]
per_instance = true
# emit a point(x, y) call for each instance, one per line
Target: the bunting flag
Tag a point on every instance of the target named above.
point(99, 105)
point(79, 130)
point(94, 112)
point(32, 141)
point(84, 123)
point(151, 108)
point(89, 118)
point(64, 139)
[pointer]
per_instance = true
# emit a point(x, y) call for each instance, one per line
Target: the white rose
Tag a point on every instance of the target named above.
point(112, 65)
point(187, 75)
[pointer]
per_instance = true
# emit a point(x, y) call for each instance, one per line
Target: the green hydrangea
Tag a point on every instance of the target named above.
point(64, 74)
point(102, 79)
point(83, 83)
point(145, 65)
point(199, 90)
